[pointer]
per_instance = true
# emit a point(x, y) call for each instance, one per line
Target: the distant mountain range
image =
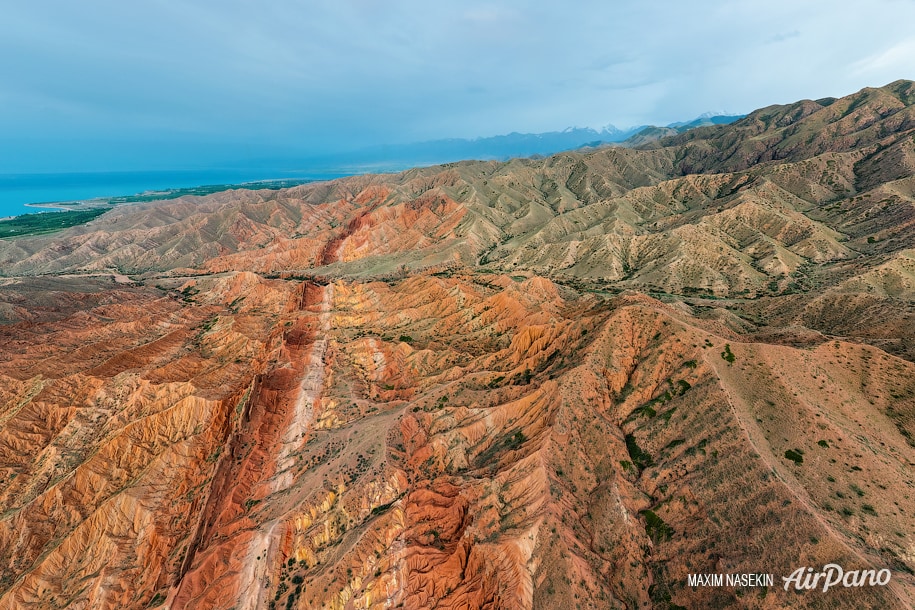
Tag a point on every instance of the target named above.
point(503, 147)
point(17, 191)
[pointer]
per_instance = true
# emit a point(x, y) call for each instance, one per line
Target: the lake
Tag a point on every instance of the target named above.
point(18, 189)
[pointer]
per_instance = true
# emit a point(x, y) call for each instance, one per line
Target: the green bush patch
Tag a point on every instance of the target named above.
point(682, 387)
point(646, 410)
point(794, 456)
point(727, 354)
point(655, 527)
point(639, 458)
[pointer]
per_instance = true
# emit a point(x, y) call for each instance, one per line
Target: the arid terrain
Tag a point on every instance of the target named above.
point(540, 384)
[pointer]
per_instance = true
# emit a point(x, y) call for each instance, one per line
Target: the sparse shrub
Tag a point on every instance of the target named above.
point(516, 440)
point(521, 378)
point(380, 509)
point(495, 382)
point(823, 444)
point(628, 388)
point(214, 457)
point(727, 354)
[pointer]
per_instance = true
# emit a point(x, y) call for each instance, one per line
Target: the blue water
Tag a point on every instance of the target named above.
point(18, 189)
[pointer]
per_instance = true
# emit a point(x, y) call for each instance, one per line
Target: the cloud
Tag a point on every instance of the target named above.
point(783, 36)
point(337, 75)
point(898, 59)
point(490, 15)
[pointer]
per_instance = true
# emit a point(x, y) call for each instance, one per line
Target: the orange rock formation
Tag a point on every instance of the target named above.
point(560, 383)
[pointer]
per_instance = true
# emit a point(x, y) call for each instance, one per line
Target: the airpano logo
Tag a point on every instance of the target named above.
point(832, 575)
point(802, 579)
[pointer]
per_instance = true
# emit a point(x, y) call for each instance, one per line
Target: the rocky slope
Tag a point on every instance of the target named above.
point(558, 383)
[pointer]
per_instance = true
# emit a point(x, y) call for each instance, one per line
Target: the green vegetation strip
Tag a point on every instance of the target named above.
point(209, 189)
point(46, 222)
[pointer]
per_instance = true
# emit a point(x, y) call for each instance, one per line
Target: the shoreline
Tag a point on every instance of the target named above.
point(62, 206)
point(69, 206)
point(160, 195)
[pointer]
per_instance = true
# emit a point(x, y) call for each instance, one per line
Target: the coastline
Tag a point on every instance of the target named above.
point(38, 219)
point(107, 202)
point(61, 206)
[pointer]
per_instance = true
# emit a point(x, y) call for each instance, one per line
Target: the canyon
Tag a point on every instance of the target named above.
point(546, 383)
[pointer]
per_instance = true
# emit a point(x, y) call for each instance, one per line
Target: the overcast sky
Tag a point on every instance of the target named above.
point(159, 83)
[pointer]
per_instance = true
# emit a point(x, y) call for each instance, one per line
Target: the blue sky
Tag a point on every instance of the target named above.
point(103, 84)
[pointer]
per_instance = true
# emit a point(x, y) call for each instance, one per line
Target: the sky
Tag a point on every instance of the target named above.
point(167, 84)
